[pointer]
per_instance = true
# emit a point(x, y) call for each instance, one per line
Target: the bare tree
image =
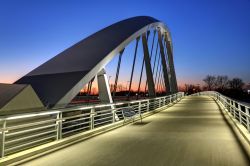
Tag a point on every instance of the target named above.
point(186, 87)
point(221, 82)
point(210, 82)
point(112, 87)
point(119, 87)
point(236, 83)
point(190, 88)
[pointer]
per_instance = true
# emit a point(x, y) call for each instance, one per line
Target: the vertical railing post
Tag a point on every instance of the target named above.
point(170, 98)
point(92, 120)
point(159, 102)
point(113, 116)
point(234, 109)
point(230, 107)
point(227, 104)
point(139, 108)
point(59, 125)
point(164, 101)
point(3, 139)
point(224, 102)
point(248, 119)
point(148, 103)
point(155, 105)
point(239, 109)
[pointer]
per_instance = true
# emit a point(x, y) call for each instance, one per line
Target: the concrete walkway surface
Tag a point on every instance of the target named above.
point(193, 132)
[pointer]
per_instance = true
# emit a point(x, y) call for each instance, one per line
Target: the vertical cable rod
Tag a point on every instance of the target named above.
point(132, 72)
point(117, 72)
point(157, 71)
point(151, 53)
point(142, 67)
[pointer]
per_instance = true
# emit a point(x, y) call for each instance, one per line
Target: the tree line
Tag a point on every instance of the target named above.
point(222, 83)
point(230, 87)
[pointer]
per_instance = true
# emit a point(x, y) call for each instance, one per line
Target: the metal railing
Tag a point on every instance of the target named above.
point(25, 131)
point(238, 110)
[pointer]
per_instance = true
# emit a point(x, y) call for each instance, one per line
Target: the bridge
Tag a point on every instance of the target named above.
point(45, 120)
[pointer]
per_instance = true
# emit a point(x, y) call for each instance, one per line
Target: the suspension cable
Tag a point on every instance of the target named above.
point(142, 67)
point(132, 72)
point(155, 58)
point(157, 71)
point(162, 83)
point(89, 88)
point(151, 53)
point(117, 71)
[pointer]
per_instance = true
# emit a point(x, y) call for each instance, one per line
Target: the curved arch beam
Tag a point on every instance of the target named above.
point(58, 80)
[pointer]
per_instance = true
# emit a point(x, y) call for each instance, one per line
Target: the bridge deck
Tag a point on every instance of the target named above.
point(193, 132)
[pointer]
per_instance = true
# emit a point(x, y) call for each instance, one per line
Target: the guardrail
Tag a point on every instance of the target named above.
point(24, 131)
point(238, 110)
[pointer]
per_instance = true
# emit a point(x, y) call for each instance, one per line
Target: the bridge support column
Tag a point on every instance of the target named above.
point(103, 86)
point(171, 64)
point(151, 86)
point(164, 64)
point(104, 90)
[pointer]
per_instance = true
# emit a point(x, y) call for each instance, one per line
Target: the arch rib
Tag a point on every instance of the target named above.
point(60, 79)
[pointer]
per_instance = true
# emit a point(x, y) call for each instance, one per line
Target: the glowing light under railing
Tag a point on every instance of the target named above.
point(6, 131)
point(118, 103)
point(32, 115)
point(132, 102)
point(85, 108)
point(106, 105)
point(103, 105)
point(99, 106)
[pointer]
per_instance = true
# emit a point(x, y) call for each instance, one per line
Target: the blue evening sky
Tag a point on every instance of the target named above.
point(209, 36)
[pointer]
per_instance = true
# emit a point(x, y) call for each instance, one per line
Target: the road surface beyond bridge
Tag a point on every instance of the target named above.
point(192, 132)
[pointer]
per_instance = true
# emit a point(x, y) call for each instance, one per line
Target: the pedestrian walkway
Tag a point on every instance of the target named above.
point(192, 132)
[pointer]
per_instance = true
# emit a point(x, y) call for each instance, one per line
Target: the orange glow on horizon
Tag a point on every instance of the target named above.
point(7, 80)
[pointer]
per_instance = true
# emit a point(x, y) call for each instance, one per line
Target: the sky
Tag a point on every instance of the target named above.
point(209, 36)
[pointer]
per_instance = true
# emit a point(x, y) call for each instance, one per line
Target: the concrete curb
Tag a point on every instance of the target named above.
point(41, 150)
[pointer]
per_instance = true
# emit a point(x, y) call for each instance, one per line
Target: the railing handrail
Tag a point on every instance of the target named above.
point(229, 98)
point(78, 107)
point(233, 107)
point(74, 120)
